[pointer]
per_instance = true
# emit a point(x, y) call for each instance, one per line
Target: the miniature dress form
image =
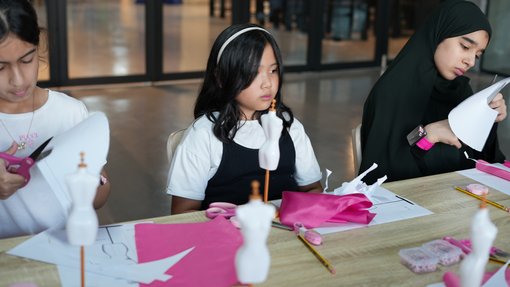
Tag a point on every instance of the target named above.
point(269, 153)
point(253, 259)
point(483, 232)
point(82, 224)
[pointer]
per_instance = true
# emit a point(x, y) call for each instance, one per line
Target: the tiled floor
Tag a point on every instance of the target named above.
point(141, 118)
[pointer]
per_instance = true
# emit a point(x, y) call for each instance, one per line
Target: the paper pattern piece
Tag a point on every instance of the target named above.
point(387, 206)
point(211, 263)
point(112, 255)
point(357, 185)
point(472, 120)
point(489, 179)
point(91, 136)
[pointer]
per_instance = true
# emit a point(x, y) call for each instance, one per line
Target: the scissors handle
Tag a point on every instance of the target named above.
point(10, 159)
point(24, 168)
point(18, 165)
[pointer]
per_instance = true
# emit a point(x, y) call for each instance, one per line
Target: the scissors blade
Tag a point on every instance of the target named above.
point(37, 152)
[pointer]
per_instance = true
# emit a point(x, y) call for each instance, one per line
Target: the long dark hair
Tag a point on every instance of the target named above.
point(19, 18)
point(234, 72)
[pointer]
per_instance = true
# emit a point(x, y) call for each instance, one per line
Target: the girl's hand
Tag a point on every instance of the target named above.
point(498, 104)
point(9, 182)
point(441, 132)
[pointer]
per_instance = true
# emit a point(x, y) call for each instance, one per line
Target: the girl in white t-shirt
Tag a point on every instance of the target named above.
point(218, 156)
point(29, 116)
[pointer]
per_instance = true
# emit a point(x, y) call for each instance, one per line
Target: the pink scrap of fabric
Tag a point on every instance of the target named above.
point(210, 263)
point(314, 209)
point(451, 279)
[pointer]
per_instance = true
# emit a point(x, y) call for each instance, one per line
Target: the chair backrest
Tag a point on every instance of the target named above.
point(173, 141)
point(356, 147)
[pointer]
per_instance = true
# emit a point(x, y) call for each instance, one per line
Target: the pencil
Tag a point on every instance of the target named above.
point(323, 260)
point(495, 204)
point(497, 260)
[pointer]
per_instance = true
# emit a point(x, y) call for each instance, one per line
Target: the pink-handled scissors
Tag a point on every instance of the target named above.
point(22, 166)
point(223, 209)
point(465, 246)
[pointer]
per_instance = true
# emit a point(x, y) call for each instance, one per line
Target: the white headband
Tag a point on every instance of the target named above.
point(231, 38)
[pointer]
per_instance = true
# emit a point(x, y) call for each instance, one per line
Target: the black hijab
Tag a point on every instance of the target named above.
point(411, 92)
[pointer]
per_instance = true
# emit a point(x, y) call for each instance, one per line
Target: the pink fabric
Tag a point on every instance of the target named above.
point(451, 279)
point(314, 209)
point(506, 163)
point(424, 144)
point(488, 168)
point(211, 263)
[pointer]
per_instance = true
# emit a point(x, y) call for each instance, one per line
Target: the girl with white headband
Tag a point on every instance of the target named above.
point(218, 156)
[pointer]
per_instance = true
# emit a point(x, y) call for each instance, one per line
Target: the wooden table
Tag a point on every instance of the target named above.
point(362, 257)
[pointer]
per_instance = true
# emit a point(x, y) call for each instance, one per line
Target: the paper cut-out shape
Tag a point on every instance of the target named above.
point(51, 246)
point(357, 185)
point(210, 264)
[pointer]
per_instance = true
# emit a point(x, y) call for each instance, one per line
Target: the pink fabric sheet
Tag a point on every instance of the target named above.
point(211, 263)
point(314, 209)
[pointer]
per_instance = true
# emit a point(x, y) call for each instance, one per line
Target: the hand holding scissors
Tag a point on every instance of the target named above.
point(9, 183)
point(21, 166)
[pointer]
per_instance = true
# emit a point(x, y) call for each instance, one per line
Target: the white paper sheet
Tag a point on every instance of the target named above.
point(496, 280)
point(499, 278)
point(472, 120)
point(388, 206)
point(489, 179)
point(113, 255)
point(91, 136)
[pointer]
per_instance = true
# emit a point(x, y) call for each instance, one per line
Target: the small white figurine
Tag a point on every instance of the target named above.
point(269, 153)
point(82, 224)
point(253, 259)
point(483, 233)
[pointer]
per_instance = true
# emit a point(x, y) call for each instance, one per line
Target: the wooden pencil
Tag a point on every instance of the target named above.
point(322, 260)
point(495, 204)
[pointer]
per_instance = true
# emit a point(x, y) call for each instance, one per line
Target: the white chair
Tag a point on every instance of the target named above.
point(173, 141)
point(356, 147)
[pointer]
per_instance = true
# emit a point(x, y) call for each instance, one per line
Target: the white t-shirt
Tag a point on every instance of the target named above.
point(32, 210)
point(198, 156)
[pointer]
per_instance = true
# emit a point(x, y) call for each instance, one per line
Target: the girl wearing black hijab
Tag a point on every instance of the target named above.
point(405, 128)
